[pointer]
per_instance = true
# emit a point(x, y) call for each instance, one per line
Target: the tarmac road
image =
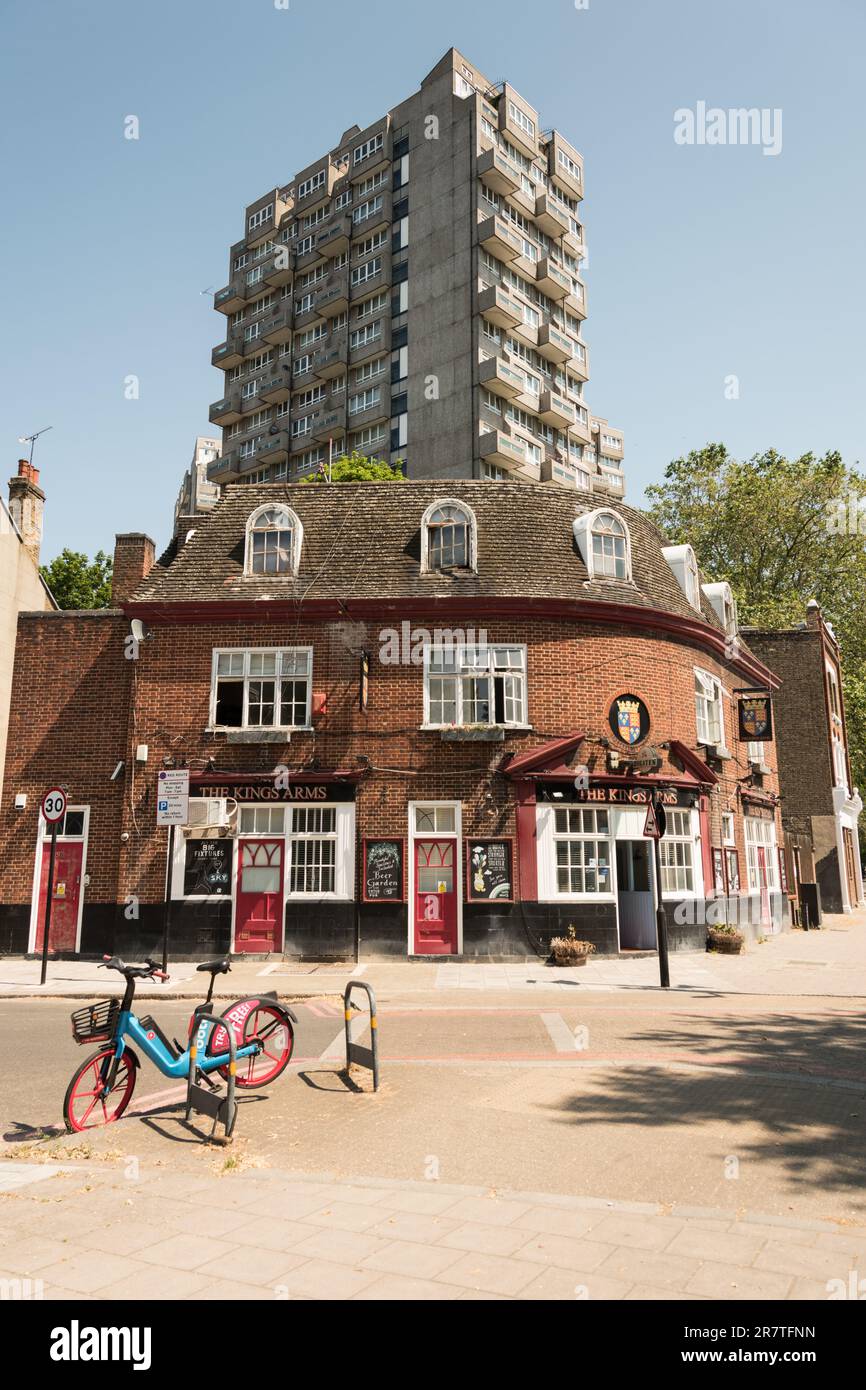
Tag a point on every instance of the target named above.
point(735, 1103)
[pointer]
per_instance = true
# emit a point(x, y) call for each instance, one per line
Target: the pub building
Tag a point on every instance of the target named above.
point(419, 719)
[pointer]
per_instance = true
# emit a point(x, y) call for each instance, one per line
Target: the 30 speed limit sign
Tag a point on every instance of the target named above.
point(54, 805)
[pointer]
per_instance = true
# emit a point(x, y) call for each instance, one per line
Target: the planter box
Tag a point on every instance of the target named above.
point(725, 942)
point(473, 735)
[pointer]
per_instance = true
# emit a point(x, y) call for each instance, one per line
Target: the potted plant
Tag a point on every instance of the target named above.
point(569, 950)
point(725, 939)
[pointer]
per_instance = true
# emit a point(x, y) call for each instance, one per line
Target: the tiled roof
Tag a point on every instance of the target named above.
point(362, 541)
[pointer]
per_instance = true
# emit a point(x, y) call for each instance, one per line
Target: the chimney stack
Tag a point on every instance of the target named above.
point(134, 558)
point(26, 503)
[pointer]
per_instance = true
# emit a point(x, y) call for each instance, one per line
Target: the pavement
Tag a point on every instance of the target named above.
point(81, 1233)
point(539, 1133)
point(828, 961)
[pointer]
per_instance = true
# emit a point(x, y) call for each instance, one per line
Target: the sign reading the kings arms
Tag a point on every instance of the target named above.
point(268, 791)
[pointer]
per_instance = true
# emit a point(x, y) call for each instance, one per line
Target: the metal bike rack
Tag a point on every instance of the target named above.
point(362, 1056)
point(220, 1108)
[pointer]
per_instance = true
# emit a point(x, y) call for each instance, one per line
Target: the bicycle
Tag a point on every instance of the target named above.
point(102, 1087)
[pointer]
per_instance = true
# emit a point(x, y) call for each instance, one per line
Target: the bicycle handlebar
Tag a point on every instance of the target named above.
point(150, 969)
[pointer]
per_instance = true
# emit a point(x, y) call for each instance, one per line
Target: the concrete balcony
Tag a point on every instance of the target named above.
point(230, 353)
point(333, 297)
point(496, 237)
point(496, 375)
point(550, 217)
point(559, 470)
point(553, 344)
point(334, 240)
point(275, 389)
point(327, 424)
point(224, 468)
point(375, 348)
point(561, 172)
point(279, 267)
point(498, 172)
point(526, 332)
point(498, 306)
point(369, 286)
point(376, 220)
point(277, 329)
point(579, 362)
point(556, 410)
point(496, 447)
point(230, 298)
point(226, 411)
point(274, 449)
point(551, 280)
point(580, 431)
point(331, 361)
point(575, 301)
point(378, 411)
point(520, 138)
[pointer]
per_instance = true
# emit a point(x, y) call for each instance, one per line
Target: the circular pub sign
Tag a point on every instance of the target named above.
point(629, 719)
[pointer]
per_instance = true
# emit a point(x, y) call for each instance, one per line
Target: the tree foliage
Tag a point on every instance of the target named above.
point(77, 582)
point(358, 468)
point(781, 532)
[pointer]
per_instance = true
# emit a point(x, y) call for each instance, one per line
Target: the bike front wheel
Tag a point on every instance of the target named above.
point(86, 1106)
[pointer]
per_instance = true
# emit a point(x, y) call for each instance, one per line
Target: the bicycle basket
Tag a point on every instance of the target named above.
point(96, 1022)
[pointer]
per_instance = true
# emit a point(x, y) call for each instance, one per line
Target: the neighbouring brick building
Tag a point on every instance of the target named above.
point(822, 806)
point(421, 718)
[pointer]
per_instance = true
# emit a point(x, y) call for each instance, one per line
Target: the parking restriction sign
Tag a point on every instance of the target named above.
point(172, 796)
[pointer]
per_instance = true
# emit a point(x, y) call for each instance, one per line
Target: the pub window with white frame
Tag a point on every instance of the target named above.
point(760, 832)
point(575, 846)
point(474, 685)
point(709, 713)
point(677, 853)
point(261, 688)
point(273, 546)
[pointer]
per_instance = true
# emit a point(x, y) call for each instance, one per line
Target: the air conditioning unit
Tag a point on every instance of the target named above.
point(211, 813)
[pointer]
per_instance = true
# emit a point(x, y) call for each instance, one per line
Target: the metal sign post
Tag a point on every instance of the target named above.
point(172, 809)
point(53, 811)
point(654, 828)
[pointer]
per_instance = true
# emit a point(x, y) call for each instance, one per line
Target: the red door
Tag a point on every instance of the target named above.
point(259, 901)
point(65, 895)
point(435, 898)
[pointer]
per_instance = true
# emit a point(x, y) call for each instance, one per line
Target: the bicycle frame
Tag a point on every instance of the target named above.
point(129, 1026)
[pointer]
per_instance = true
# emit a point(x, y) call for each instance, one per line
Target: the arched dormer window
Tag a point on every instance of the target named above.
point(684, 567)
point(723, 601)
point(274, 537)
point(447, 537)
point(604, 543)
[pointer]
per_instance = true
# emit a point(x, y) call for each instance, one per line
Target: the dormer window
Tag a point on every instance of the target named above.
point(684, 566)
point(723, 601)
point(604, 543)
point(448, 537)
point(273, 541)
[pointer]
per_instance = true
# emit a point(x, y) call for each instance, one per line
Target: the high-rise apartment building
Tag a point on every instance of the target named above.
point(197, 494)
point(415, 294)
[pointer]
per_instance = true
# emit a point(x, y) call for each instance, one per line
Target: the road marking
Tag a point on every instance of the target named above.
point(269, 969)
point(562, 1036)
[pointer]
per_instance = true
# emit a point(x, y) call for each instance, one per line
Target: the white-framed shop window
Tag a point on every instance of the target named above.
point(574, 854)
point(678, 854)
point(760, 833)
point(474, 685)
point(320, 855)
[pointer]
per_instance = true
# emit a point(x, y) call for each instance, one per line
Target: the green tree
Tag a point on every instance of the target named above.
point(77, 582)
point(358, 468)
point(781, 531)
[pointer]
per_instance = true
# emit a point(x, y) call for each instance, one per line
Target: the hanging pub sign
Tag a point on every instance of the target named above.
point(629, 719)
point(756, 718)
point(489, 871)
point(383, 872)
point(207, 867)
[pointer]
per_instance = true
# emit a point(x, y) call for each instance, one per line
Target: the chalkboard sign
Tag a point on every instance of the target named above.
point(207, 867)
point(489, 871)
point(383, 880)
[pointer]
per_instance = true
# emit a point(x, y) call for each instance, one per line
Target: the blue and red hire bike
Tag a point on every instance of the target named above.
point(102, 1087)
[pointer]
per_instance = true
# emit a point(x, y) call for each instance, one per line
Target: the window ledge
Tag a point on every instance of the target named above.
point(259, 735)
point(716, 750)
point(490, 733)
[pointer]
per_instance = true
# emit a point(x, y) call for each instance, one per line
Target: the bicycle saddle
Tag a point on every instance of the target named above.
point(216, 967)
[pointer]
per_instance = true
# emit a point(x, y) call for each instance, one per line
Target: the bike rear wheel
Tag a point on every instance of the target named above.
point(273, 1026)
point(85, 1106)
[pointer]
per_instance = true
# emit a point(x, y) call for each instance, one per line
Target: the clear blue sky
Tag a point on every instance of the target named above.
point(704, 261)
